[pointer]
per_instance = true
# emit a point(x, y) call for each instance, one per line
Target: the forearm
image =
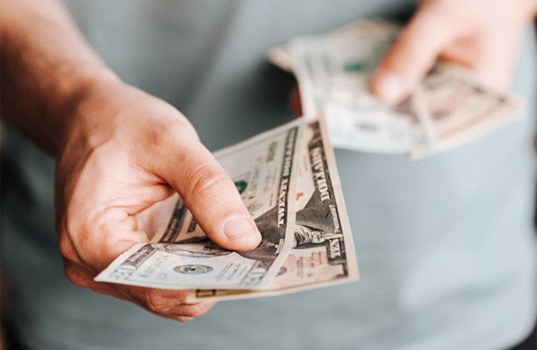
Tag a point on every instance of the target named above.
point(46, 67)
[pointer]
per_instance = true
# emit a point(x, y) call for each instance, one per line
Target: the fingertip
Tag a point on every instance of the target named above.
point(412, 54)
point(240, 233)
point(388, 86)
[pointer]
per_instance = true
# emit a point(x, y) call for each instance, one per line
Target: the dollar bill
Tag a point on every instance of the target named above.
point(459, 109)
point(323, 250)
point(281, 56)
point(180, 256)
point(333, 71)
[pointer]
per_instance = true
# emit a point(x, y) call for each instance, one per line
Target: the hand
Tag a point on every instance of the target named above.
point(482, 35)
point(124, 152)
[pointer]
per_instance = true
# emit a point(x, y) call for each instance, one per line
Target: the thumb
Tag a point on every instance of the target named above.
point(412, 55)
point(211, 196)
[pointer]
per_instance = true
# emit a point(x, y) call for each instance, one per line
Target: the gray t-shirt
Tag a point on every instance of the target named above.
point(445, 244)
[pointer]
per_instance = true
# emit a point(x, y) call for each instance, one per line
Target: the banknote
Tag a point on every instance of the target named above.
point(323, 251)
point(281, 56)
point(180, 256)
point(334, 70)
point(459, 109)
point(333, 73)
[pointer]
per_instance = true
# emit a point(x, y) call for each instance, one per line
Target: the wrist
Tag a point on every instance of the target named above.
point(71, 93)
point(46, 67)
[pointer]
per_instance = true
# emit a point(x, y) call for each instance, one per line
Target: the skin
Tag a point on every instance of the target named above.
point(482, 35)
point(120, 151)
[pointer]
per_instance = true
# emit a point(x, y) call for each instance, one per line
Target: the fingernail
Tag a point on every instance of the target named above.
point(237, 227)
point(389, 87)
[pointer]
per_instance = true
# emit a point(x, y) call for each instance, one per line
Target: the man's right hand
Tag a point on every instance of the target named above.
point(124, 151)
point(119, 152)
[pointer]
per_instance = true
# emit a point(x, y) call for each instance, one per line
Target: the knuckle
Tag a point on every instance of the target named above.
point(67, 249)
point(71, 274)
point(160, 137)
point(157, 304)
point(192, 311)
point(171, 134)
point(74, 276)
point(206, 180)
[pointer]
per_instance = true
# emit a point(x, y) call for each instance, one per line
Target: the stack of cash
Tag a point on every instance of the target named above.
point(448, 108)
point(288, 180)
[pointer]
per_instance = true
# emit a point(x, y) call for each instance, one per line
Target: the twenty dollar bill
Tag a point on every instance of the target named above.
point(323, 250)
point(288, 180)
point(180, 256)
